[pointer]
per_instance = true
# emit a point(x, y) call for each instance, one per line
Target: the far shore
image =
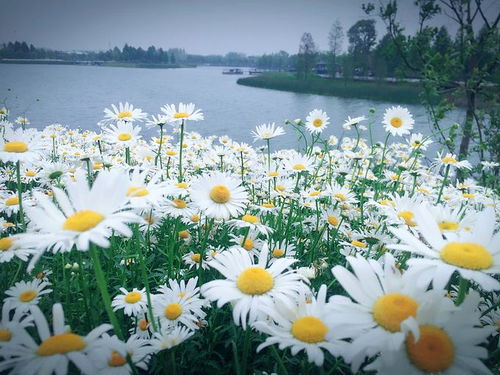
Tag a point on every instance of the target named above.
point(121, 64)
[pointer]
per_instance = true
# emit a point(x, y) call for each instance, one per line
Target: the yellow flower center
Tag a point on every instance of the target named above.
point(195, 218)
point(314, 193)
point(358, 243)
point(181, 185)
point(137, 191)
point(255, 281)
point(220, 194)
point(317, 123)
point(280, 188)
point(433, 352)
point(82, 221)
point(184, 234)
point(273, 174)
point(173, 311)
point(116, 360)
point(309, 329)
point(61, 344)
point(396, 122)
point(467, 255)
point(181, 115)
point(30, 173)
point(12, 201)
point(6, 243)
point(124, 114)
point(247, 244)
point(299, 167)
point(407, 216)
point(196, 257)
point(393, 308)
point(250, 219)
point(340, 196)
point(468, 195)
point(333, 221)
point(133, 297)
point(179, 203)
point(449, 160)
point(124, 137)
point(5, 335)
point(278, 253)
point(27, 295)
point(143, 324)
point(267, 205)
point(17, 147)
point(448, 226)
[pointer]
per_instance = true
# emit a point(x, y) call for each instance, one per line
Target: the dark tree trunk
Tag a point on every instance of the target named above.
point(469, 120)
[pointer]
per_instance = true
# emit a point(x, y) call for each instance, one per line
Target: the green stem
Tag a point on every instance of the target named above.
point(463, 288)
point(444, 182)
point(158, 156)
point(20, 194)
point(281, 365)
point(144, 274)
point(246, 349)
point(180, 151)
point(101, 283)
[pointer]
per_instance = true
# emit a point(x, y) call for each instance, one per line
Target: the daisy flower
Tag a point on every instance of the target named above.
point(352, 122)
point(124, 112)
point(54, 352)
point(219, 195)
point(267, 131)
point(450, 160)
point(82, 216)
point(178, 207)
point(441, 346)
point(9, 250)
point(12, 326)
point(307, 326)
point(185, 112)
point(169, 337)
point(398, 121)
point(250, 286)
point(418, 140)
point(298, 163)
point(282, 250)
point(142, 328)
point(385, 299)
point(473, 254)
point(21, 145)
point(249, 242)
point(316, 121)
point(172, 307)
point(133, 303)
point(252, 222)
point(160, 120)
point(145, 191)
point(24, 295)
point(110, 354)
point(122, 134)
point(22, 121)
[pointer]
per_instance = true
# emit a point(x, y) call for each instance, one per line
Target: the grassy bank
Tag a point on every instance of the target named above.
point(402, 92)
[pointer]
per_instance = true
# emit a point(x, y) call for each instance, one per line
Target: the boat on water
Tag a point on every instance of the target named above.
point(255, 71)
point(233, 71)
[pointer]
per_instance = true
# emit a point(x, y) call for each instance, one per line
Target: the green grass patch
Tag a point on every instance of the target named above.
point(401, 92)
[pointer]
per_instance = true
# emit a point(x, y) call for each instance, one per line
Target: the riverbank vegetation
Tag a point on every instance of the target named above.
point(399, 92)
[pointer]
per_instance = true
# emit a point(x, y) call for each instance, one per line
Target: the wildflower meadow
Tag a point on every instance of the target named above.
point(186, 254)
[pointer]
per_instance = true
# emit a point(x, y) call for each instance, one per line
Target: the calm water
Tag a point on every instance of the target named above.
point(76, 96)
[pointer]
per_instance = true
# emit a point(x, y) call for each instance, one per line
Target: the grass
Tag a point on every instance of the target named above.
point(401, 92)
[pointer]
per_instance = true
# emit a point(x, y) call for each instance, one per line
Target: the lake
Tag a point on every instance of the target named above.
point(75, 96)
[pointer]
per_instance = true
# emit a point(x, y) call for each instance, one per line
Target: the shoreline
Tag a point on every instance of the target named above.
point(110, 64)
point(402, 92)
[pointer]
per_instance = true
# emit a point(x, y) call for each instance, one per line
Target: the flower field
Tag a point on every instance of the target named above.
point(186, 254)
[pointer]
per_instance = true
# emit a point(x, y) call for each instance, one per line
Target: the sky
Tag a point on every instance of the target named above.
point(203, 27)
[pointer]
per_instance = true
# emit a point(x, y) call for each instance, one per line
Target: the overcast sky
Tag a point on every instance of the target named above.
point(199, 26)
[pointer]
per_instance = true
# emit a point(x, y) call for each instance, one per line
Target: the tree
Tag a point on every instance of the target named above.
point(362, 37)
point(335, 40)
point(465, 71)
point(307, 56)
